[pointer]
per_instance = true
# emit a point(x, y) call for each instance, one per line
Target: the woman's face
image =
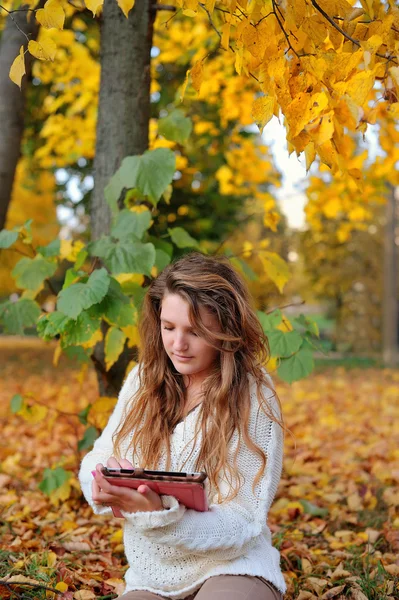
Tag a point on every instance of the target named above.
point(189, 353)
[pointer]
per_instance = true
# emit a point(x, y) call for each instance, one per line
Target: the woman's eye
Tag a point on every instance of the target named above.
point(168, 328)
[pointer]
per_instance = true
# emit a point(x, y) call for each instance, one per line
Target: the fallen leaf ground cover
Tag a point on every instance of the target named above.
point(335, 519)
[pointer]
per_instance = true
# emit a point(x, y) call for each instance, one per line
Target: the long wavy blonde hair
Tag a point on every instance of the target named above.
point(157, 407)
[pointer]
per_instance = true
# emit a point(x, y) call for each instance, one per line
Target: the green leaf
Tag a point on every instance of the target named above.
point(88, 439)
point(53, 479)
point(181, 238)
point(284, 344)
point(80, 259)
point(308, 324)
point(313, 509)
point(296, 367)
point(82, 416)
point(161, 259)
point(51, 325)
point(150, 173)
point(270, 321)
point(243, 267)
point(155, 173)
point(80, 330)
point(7, 238)
point(130, 257)
point(115, 308)
point(101, 247)
point(131, 225)
point(78, 296)
point(175, 127)
point(16, 316)
point(52, 249)
point(114, 343)
point(16, 403)
point(70, 276)
point(136, 292)
point(161, 245)
point(29, 273)
point(77, 353)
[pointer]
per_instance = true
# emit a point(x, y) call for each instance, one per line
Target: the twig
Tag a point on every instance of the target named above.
point(170, 18)
point(285, 306)
point(19, 10)
point(346, 35)
point(15, 23)
point(282, 28)
point(164, 7)
point(265, 17)
point(34, 585)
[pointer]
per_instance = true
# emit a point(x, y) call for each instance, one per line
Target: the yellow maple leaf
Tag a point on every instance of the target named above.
point(94, 5)
point(51, 15)
point(17, 70)
point(197, 75)
point(132, 334)
point(44, 50)
point(360, 85)
point(126, 6)
point(275, 267)
point(69, 249)
point(262, 111)
point(33, 414)
point(100, 411)
point(271, 220)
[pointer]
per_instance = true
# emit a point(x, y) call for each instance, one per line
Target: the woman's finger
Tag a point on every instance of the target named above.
point(112, 463)
point(126, 464)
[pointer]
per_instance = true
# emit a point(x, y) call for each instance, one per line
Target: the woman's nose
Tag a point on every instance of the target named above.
point(180, 342)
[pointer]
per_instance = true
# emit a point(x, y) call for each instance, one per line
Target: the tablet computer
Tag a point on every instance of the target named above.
point(188, 488)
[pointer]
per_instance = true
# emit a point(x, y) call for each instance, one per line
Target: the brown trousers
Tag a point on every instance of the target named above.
point(222, 587)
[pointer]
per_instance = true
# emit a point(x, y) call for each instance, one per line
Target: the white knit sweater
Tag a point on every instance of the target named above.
point(172, 552)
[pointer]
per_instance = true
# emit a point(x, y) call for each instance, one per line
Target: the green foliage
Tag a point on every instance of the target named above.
point(182, 238)
point(7, 238)
point(16, 316)
point(175, 127)
point(131, 225)
point(88, 439)
point(291, 346)
point(16, 403)
point(150, 174)
point(78, 296)
point(29, 273)
point(53, 479)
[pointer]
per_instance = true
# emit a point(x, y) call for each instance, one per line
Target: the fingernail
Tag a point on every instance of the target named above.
point(94, 473)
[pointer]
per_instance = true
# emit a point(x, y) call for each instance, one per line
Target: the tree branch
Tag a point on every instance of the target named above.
point(282, 28)
point(346, 35)
point(34, 585)
point(14, 21)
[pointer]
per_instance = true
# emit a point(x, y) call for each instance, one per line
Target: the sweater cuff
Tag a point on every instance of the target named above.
point(173, 512)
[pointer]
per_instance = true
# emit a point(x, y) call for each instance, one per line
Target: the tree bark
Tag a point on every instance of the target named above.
point(390, 306)
point(12, 100)
point(122, 129)
point(124, 102)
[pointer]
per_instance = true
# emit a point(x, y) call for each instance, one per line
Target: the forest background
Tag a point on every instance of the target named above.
point(142, 123)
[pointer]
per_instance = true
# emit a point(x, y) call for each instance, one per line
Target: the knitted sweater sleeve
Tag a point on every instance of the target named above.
point(232, 525)
point(103, 446)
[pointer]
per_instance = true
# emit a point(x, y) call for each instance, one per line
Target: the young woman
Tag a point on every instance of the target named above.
point(198, 400)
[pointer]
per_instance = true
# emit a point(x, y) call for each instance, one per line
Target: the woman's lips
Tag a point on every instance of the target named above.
point(183, 358)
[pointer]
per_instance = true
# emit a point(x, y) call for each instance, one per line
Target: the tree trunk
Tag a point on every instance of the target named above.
point(122, 128)
point(12, 100)
point(390, 305)
point(124, 102)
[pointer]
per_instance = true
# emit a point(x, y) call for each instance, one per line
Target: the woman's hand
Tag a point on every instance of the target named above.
point(141, 500)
